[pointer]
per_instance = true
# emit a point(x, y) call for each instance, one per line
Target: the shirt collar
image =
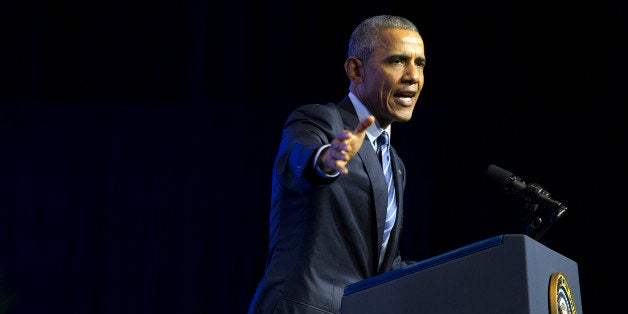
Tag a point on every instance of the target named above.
point(375, 129)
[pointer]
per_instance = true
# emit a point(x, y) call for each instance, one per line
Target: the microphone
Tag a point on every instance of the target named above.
point(529, 192)
point(533, 194)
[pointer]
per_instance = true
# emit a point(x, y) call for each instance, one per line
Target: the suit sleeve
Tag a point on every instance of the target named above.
point(305, 131)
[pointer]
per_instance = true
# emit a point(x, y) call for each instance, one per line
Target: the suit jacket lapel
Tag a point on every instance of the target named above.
point(372, 167)
point(378, 182)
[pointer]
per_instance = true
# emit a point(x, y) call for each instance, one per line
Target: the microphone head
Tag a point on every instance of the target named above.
point(499, 175)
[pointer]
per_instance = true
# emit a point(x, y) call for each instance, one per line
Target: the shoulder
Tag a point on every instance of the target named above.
point(318, 107)
point(329, 110)
point(315, 112)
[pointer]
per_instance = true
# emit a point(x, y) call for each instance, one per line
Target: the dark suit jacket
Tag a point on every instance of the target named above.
point(324, 233)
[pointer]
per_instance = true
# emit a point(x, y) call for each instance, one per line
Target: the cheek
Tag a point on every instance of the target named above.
point(388, 87)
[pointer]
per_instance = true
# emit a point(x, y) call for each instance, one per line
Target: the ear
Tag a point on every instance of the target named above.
point(353, 67)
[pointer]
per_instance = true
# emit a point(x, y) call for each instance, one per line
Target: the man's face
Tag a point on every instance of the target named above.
point(392, 78)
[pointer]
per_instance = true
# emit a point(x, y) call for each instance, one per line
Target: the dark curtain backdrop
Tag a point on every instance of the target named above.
point(137, 139)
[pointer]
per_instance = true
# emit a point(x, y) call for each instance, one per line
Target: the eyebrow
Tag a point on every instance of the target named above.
point(405, 58)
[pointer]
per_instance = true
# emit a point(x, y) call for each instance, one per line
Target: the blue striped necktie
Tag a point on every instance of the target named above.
point(383, 142)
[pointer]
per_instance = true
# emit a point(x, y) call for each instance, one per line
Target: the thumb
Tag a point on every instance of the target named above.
point(361, 128)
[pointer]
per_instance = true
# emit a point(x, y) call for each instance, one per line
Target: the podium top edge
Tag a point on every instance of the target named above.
point(427, 263)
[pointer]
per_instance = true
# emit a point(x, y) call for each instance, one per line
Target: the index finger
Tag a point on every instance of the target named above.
point(364, 124)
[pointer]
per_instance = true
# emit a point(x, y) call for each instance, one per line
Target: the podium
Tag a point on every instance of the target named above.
point(510, 273)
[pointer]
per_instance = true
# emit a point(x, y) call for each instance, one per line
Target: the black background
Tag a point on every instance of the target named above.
point(137, 139)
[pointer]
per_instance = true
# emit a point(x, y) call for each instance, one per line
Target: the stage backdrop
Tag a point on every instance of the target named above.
point(137, 140)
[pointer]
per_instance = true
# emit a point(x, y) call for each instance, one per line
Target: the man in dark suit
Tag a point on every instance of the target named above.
point(330, 198)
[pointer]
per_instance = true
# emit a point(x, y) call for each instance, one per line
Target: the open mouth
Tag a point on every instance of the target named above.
point(405, 98)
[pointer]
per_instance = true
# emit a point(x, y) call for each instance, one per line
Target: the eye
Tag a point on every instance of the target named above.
point(397, 60)
point(420, 62)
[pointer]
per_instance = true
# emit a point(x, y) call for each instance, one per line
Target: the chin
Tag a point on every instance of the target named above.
point(404, 116)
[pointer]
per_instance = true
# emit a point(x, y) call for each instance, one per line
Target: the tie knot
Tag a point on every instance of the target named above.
point(383, 139)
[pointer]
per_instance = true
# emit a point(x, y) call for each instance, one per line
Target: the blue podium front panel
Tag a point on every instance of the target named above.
point(503, 274)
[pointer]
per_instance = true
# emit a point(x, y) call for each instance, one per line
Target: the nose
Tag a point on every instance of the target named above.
point(412, 74)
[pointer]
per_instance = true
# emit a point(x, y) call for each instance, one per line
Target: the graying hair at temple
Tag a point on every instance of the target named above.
point(366, 36)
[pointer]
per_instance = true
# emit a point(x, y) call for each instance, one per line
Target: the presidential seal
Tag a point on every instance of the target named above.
point(560, 298)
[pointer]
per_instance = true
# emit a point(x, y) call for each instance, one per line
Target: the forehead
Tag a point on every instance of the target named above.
point(401, 41)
